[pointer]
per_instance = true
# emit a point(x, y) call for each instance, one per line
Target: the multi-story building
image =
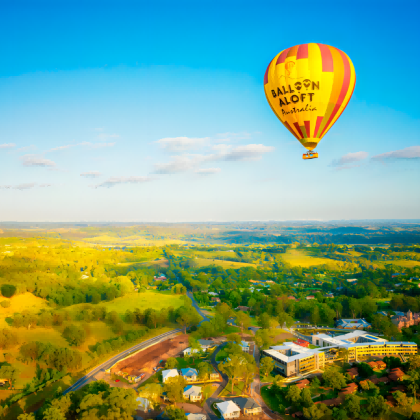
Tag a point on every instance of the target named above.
point(291, 359)
point(406, 321)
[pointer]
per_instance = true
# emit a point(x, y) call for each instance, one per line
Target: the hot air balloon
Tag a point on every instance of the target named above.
point(308, 86)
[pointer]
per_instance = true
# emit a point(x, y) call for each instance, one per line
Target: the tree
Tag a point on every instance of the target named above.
point(404, 402)
point(306, 398)
point(333, 378)
point(316, 411)
point(377, 407)
point(315, 318)
point(8, 290)
point(204, 370)
point(293, 394)
point(22, 404)
point(153, 392)
point(263, 339)
point(343, 353)
point(27, 416)
point(414, 362)
point(174, 388)
point(234, 338)
point(187, 316)
point(243, 320)
point(266, 365)
point(174, 413)
point(171, 363)
point(365, 370)
point(249, 373)
point(355, 307)
point(339, 414)
point(53, 413)
point(413, 385)
point(233, 368)
point(75, 335)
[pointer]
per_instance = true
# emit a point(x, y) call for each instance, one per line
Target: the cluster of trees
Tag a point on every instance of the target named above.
point(51, 356)
point(8, 338)
point(107, 346)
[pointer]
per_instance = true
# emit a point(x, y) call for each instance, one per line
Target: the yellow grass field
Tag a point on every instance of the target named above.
point(148, 299)
point(130, 241)
point(400, 263)
point(202, 262)
point(297, 257)
point(19, 303)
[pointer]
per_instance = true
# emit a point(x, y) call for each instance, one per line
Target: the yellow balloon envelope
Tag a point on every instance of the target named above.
point(308, 86)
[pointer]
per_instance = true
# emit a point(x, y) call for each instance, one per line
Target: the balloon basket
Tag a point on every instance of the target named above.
point(310, 155)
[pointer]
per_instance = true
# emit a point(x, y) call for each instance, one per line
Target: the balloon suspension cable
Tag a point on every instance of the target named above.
point(310, 155)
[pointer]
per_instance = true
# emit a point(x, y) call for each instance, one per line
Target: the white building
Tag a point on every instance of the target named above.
point(193, 393)
point(169, 373)
point(245, 346)
point(228, 409)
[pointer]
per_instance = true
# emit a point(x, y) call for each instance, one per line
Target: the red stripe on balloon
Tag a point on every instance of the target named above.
point(302, 51)
point(344, 88)
point(317, 125)
point(266, 73)
point(282, 56)
point(286, 124)
point(308, 128)
point(298, 129)
point(327, 59)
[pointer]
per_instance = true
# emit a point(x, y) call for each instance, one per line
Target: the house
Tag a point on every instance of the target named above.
point(195, 416)
point(228, 409)
point(247, 405)
point(206, 344)
point(375, 380)
point(302, 384)
point(188, 351)
point(213, 294)
point(351, 388)
point(373, 365)
point(244, 346)
point(291, 298)
point(396, 374)
point(353, 372)
point(310, 297)
point(169, 373)
point(160, 278)
point(243, 308)
point(192, 393)
point(381, 364)
point(329, 295)
point(214, 375)
point(352, 280)
point(215, 299)
point(189, 374)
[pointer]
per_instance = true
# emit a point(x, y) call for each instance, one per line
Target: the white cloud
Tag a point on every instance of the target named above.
point(208, 171)
point(248, 152)
point(104, 136)
point(186, 162)
point(34, 160)
point(111, 182)
point(55, 149)
point(96, 145)
point(350, 158)
point(25, 186)
point(177, 165)
point(181, 144)
point(91, 174)
point(26, 148)
point(7, 146)
point(412, 152)
point(238, 136)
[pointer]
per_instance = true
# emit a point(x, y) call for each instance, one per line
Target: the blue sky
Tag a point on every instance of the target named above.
point(155, 111)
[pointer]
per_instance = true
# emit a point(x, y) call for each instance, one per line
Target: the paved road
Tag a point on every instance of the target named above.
point(194, 303)
point(106, 365)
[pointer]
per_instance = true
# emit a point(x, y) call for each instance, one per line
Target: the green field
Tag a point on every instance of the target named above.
point(297, 257)
point(147, 299)
point(203, 262)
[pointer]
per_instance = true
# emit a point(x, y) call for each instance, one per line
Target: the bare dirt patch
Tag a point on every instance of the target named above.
point(147, 359)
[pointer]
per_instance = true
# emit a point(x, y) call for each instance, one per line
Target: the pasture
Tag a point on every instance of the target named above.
point(297, 257)
point(203, 262)
point(147, 299)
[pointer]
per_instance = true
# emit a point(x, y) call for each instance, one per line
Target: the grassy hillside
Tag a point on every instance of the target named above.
point(148, 299)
